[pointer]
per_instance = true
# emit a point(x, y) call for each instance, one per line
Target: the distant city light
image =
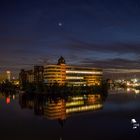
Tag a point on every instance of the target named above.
point(128, 89)
point(8, 72)
point(8, 100)
point(13, 77)
point(134, 123)
point(135, 80)
point(128, 84)
point(13, 97)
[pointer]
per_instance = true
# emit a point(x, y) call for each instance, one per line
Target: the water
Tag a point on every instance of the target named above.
point(74, 118)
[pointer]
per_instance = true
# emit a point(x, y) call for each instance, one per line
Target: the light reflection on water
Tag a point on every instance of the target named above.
point(54, 108)
point(76, 117)
point(125, 90)
point(132, 90)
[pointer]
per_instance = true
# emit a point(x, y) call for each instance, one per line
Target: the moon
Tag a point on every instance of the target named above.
point(60, 24)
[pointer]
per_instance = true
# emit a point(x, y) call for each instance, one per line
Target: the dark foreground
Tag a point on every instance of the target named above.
point(110, 122)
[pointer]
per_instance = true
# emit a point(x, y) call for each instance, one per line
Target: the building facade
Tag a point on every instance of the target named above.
point(38, 74)
point(62, 74)
point(26, 76)
point(71, 75)
point(31, 76)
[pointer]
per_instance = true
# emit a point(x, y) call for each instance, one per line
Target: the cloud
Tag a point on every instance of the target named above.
point(115, 47)
point(122, 71)
point(112, 63)
point(15, 40)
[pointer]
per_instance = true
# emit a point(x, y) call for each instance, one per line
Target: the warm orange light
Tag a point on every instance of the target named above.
point(8, 72)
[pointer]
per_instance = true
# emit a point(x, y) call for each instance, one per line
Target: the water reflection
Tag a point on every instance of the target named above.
point(8, 97)
point(125, 90)
point(113, 122)
point(60, 108)
point(133, 90)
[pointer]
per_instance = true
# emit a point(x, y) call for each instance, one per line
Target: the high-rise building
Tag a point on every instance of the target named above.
point(38, 74)
point(8, 75)
point(71, 75)
point(23, 77)
point(30, 76)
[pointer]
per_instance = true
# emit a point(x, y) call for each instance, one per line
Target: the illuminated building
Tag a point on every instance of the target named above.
point(5, 76)
point(8, 75)
point(71, 75)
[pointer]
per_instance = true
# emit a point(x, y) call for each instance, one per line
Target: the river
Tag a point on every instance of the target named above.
point(85, 117)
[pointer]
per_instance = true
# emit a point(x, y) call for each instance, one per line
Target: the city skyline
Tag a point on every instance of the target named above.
point(94, 33)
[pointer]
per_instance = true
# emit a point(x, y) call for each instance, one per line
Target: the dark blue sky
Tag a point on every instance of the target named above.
point(103, 33)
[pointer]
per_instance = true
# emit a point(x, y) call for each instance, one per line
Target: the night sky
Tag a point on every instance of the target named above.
point(97, 33)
